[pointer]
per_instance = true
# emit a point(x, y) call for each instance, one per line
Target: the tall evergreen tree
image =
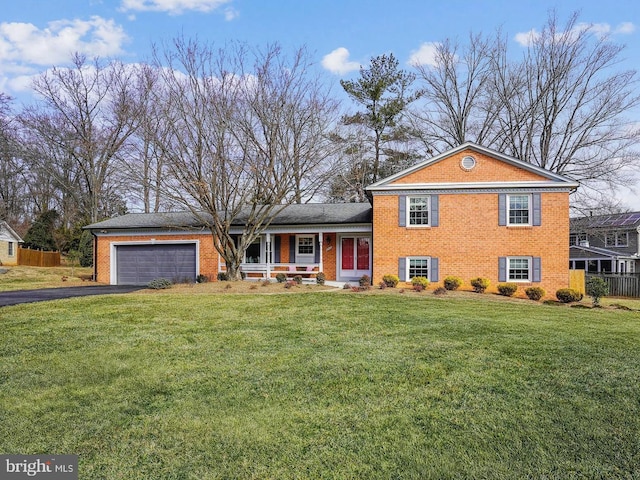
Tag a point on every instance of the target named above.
point(384, 92)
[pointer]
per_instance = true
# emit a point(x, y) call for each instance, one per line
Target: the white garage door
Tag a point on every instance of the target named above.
point(139, 264)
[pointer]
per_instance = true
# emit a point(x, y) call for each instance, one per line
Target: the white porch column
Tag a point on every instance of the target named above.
point(321, 243)
point(268, 253)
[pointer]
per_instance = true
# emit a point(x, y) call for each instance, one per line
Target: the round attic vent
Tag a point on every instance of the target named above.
point(467, 163)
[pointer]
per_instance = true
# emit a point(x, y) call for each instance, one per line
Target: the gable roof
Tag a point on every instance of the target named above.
point(296, 214)
point(7, 234)
point(550, 178)
point(620, 221)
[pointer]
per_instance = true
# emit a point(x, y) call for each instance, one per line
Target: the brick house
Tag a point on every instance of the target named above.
point(467, 212)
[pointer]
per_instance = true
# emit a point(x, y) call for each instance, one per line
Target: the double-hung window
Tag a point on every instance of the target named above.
point(305, 246)
point(417, 267)
point(11, 250)
point(617, 239)
point(418, 211)
point(519, 212)
point(519, 269)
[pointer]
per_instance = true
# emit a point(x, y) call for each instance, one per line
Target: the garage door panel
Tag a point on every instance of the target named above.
point(139, 264)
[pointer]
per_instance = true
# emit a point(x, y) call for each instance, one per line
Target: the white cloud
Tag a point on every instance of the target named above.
point(526, 38)
point(231, 14)
point(425, 55)
point(599, 29)
point(24, 43)
point(338, 62)
point(625, 28)
point(175, 7)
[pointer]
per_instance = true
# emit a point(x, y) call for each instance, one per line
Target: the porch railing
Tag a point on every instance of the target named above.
point(264, 270)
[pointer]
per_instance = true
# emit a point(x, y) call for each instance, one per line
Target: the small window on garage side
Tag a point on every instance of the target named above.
point(11, 249)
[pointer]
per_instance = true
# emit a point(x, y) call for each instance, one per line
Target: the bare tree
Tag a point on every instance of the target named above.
point(457, 100)
point(246, 136)
point(13, 201)
point(94, 109)
point(561, 107)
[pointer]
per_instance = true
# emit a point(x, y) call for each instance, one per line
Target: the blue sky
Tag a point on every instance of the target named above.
point(340, 34)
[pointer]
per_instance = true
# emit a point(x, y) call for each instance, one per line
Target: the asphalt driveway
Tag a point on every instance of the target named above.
point(29, 296)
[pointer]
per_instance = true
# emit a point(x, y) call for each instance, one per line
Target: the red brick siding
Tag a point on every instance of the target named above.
point(468, 240)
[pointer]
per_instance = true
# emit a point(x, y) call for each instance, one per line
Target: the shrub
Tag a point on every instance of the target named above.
point(159, 283)
point(298, 279)
point(422, 281)
point(535, 293)
point(290, 284)
point(281, 277)
point(597, 288)
point(202, 279)
point(440, 291)
point(390, 281)
point(479, 284)
point(346, 286)
point(320, 278)
point(266, 282)
point(568, 295)
point(507, 289)
point(365, 281)
point(452, 282)
point(223, 277)
point(382, 285)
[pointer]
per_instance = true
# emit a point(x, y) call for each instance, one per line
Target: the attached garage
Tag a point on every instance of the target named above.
point(138, 264)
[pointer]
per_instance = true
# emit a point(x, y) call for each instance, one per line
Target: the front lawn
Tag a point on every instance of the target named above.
point(322, 385)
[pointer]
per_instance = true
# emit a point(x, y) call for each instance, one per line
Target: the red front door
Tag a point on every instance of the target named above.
point(355, 257)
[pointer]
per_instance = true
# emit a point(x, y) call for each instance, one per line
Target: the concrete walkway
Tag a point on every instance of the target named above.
point(44, 294)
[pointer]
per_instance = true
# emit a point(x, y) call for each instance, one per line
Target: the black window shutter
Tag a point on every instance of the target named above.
point(276, 248)
point(317, 250)
point(292, 249)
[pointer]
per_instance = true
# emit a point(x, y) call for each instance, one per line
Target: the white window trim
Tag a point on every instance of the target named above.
point(11, 249)
point(306, 256)
point(260, 241)
point(530, 211)
point(408, 266)
point(616, 239)
point(408, 212)
point(529, 278)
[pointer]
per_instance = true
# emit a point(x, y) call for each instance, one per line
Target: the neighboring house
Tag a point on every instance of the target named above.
point(605, 243)
point(470, 212)
point(9, 241)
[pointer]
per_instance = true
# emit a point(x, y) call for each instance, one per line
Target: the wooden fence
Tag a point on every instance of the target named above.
point(576, 280)
point(620, 285)
point(38, 258)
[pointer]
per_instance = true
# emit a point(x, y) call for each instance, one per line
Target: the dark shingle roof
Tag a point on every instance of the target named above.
point(629, 220)
point(304, 214)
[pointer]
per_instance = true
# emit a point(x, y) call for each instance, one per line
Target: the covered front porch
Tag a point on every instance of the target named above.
point(342, 253)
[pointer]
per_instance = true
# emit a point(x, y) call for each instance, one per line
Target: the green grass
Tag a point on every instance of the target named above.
point(322, 385)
